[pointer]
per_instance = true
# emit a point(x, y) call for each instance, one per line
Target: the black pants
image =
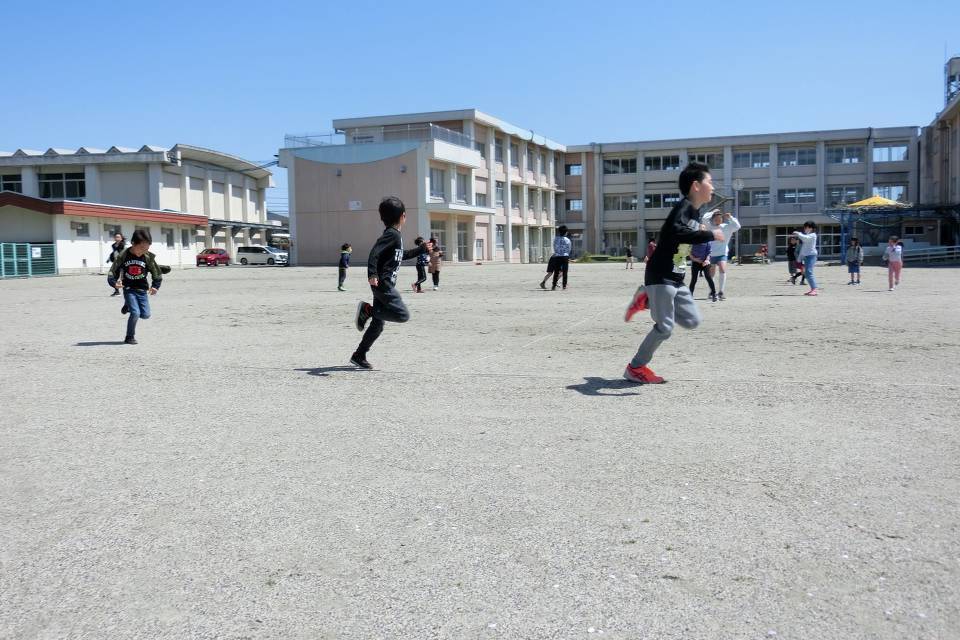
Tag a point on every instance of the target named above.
point(342, 278)
point(695, 271)
point(436, 278)
point(562, 266)
point(421, 277)
point(387, 307)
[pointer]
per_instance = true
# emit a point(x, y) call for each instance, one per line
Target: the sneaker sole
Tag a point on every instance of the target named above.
point(357, 364)
point(356, 316)
point(629, 377)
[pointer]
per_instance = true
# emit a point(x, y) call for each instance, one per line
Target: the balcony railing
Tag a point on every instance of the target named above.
point(392, 133)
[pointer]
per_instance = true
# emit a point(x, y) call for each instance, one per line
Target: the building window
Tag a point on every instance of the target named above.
point(514, 155)
point(803, 195)
point(623, 202)
point(500, 237)
point(755, 198)
point(62, 185)
point(531, 200)
point(661, 163)
point(481, 147)
point(362, 139)
point(185, 238)
point(111, 230)
point(543, 164)
point(614, 166)
point(462, 187)
point(573, 169)
point(531, 160)
point(751, 159)
point(797, 157)
point(168, 237)
point(660, 200)
point(498, 150)
point(575, 204)
point(437, 177)
point(480, 199)
point(12, 182)
point(514, 196)
point(81, 229)
point(713, 160)
point(890, 153)
point(499, 194)
point(845, 154)
point(753, 236)
point(913, 230)
point(843, 194)
point(897, 192)
point(544, 202)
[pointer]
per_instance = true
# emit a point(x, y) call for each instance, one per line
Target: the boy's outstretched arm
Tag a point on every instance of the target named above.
point(416, 251)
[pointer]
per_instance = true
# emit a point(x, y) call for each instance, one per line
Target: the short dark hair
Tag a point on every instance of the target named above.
point(391, 208)
point(810, 224)
point(895, 238)
point(693, 172)
point(344, 246)
point(562, 230)
point(140, 236)
point(418, 241)
point(855, 240)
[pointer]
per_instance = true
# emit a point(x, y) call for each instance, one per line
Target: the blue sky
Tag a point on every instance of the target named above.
point(236, 76)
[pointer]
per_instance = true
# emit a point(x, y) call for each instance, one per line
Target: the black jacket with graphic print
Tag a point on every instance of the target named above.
point(667, 265)
point(134, 270)
point(387, 254)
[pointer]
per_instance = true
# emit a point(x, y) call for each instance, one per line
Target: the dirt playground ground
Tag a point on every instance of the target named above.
point(232, 476)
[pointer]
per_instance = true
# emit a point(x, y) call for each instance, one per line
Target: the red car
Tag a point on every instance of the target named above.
point(213, 257)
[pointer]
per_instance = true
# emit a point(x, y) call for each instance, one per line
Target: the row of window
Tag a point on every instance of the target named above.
point(750, 159)
point(82, 230)
point(514, 155)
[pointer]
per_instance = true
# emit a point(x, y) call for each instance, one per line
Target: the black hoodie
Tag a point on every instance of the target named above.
point(668, 265)
point(387, 254)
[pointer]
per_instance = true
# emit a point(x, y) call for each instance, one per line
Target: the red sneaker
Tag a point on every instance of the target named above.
point(638, 304)
point(642, 375)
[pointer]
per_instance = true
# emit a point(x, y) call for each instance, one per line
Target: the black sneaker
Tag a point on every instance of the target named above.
point(130, 340)
point(713, 297)
point(721, 297)
point(364, 309)
point(543, 285)
point(124, 309)
point(115, 293)
point(360, 361)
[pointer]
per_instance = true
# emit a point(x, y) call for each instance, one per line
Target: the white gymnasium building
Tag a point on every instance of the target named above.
point(67, 204)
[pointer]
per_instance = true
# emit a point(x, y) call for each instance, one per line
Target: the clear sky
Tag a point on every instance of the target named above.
point(235, 76)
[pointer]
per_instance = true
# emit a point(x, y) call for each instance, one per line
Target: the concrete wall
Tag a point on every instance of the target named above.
point(324, 218)
point(23, 225)
point(126, 187)
point(170, 191)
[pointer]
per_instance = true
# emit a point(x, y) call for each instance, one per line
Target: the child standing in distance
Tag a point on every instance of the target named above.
point(560, 261)
point(727, 224)
point(629, 256)
point(345, 251)
point(854, 260)
point(792, 247)
point(669, 300)
point(422, 260)
point(651, 247)
point(382, 268)
point(893, 256)
point(119, 244)
point(129, 271)
point(700, 263)
point(808, 253)
point(436, 261)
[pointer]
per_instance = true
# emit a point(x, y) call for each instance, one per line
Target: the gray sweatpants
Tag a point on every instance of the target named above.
point(668, 305)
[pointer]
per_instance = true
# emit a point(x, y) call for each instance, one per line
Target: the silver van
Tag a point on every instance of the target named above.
point(261, 255)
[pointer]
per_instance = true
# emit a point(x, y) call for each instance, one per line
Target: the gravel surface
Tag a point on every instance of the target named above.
point(232, 476)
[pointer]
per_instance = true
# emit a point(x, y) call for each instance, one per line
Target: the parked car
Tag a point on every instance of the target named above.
point(213, 257)
point(261, 255)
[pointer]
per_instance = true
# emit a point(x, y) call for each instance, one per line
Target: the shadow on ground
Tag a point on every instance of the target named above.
point(326, 371)
point(99, 344)
point(596, 387)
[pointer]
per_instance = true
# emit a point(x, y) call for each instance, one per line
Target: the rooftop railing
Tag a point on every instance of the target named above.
point(368, 135)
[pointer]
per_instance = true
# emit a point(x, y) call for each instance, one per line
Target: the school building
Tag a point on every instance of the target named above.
point(618, 194)
point(61, 207)
point(486, 189)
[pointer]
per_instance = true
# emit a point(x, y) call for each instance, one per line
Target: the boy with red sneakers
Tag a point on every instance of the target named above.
point(382, 268)
point(663, 291)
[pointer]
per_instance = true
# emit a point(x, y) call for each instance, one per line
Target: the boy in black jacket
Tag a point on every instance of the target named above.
point(382, 268)
point(663, 291)
point(129, 272)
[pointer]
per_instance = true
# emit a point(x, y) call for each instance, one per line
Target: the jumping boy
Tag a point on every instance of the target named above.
point(382, 268)
point(719, 249)
point(663, 292)
point(130, 271)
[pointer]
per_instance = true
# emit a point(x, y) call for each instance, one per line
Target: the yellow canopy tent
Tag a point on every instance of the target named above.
point(876, 201)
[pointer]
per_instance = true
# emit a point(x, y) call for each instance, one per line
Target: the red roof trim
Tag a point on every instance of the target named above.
point(96, 210)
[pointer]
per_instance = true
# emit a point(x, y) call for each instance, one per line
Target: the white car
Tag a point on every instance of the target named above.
point(261, 255)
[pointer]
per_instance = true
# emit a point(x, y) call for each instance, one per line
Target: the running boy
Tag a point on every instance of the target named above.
point(345, 251)
point(130, 271)
point(669, 300)
point(382, 268)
